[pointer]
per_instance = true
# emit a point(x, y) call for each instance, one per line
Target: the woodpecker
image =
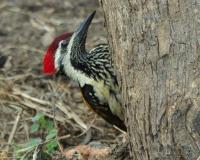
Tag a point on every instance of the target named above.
point(92, 70)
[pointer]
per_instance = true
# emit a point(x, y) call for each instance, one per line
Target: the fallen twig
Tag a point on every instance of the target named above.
point(56, 126)
point(70, 114)
point(14, 129)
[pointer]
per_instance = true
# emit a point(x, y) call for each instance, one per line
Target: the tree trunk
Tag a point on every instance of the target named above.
point(156, 47)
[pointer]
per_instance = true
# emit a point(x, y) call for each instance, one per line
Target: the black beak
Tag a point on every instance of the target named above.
point(81, 32)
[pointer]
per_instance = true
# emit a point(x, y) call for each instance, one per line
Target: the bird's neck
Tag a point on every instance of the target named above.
point(74, 68)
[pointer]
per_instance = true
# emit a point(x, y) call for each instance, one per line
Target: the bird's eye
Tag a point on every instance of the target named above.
point(63, 43)
point(63, 46)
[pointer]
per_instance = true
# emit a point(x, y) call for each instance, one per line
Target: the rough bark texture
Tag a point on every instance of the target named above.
point(156, 47)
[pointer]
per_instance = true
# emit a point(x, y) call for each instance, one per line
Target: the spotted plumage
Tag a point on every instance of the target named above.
point(93, 71)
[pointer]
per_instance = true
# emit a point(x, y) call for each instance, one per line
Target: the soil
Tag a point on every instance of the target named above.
point(26, 29)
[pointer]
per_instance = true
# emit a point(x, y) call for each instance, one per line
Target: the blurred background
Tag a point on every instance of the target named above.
point(36, 109)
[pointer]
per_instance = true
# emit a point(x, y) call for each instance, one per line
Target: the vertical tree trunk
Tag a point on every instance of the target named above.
point(156, 47)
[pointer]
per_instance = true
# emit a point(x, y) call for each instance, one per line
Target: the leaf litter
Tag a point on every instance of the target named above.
point(26, 29)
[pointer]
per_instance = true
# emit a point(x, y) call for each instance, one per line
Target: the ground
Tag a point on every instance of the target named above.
point(26, 29)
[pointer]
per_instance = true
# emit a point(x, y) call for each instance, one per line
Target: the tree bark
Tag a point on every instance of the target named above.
point(156, 52)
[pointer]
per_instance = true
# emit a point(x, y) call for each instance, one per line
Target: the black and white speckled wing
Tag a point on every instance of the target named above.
point(101, 64)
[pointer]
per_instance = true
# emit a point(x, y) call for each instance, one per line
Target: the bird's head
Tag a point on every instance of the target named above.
point(72, 44)
point(50, 65)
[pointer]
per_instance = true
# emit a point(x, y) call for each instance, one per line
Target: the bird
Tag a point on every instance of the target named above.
point(93, 70)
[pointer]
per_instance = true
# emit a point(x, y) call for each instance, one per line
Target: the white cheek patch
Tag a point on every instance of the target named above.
point(58, 56)
point(56, 60)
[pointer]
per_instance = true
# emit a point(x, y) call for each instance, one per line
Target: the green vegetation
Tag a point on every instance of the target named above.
point(42, 142)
